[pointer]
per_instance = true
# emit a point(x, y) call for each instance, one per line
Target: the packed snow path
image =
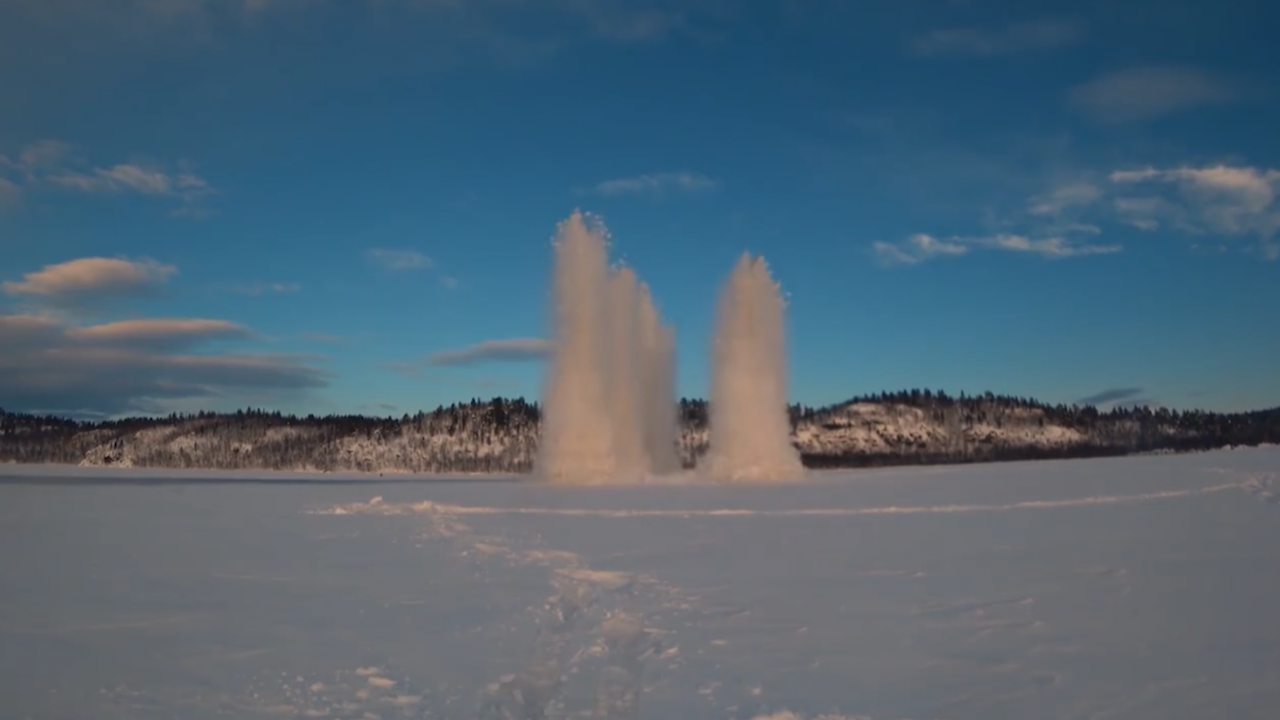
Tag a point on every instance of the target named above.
point(1123, 588)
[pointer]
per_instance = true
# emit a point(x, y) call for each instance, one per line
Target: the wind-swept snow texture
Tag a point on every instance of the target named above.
point(1134, 588)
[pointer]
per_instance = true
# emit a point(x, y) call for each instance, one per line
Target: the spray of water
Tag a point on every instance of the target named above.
point(750, 428)
point(609, 400)
point(577, 446)
point(624, 369)
point(657, 347)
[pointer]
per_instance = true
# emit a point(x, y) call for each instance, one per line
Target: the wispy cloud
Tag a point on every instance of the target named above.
point(380, 407)
point(47, 365)
point(1063, 198)
point(1110, 396)
point(131, 178)
point(1142, 212)
point(518, 349)
point(920, 247)
point(160, 333)
point(1145, 402)
point(88, 278)
point(407, 369)
point(10, 194)
point(43, 155)
point(656, 183)
point(1219, 204)
point(1045, 34)
point(53, 163)
point(1145, 93)
point(1217, 199)
point(399, 259)
point(917, 249)
point(1053, 247)
point(513, 34)
point(265, 288)
point(501, 25)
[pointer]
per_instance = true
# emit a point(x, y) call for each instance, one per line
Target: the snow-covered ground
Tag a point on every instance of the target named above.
point(1144, 587)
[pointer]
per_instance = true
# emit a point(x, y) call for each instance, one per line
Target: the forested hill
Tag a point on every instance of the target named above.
point(501, 435)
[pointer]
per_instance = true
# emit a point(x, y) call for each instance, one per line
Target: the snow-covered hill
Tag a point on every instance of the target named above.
point(873, 428)
point(502, 436)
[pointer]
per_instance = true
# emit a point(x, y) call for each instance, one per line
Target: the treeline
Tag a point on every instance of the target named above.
point(500, 435)
point(987, 427)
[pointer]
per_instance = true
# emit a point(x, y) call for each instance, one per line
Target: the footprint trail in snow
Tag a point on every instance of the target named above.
point(597, 624)
point(600, 636)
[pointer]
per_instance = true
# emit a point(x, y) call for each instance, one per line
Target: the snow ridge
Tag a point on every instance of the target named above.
point(1252, 486)
point(502, 436)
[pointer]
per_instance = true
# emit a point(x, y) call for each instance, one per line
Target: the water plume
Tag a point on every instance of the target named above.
point(609, 400)
point(624, 371)
point(657, 347)
point(576, 445)
point(750, 426)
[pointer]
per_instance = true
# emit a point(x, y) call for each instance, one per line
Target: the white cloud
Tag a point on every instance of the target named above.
point(1146, 93)
point(132, 178)
point(1052, 247)
point(1046, 34)
point(52, 163)
point(494, 350)
point(399, 259)
point(1129, 176)
point(656, 183)
point(1251, 186)
point(921, 247)
point(48, 365)
point(1065, 197)
point(1217, 199)
point(1087, 228)
point(916, 249)
point(94, 277)
point(160, 332)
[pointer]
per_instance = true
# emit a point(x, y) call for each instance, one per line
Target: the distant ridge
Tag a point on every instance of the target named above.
point(501, 435)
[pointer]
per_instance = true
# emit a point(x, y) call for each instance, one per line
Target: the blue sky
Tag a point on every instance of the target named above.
point(325, 206)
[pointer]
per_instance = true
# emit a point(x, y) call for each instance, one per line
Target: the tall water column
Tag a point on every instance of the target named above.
point(750, 426)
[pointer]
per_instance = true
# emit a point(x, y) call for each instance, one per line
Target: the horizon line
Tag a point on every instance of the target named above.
point(878, 397)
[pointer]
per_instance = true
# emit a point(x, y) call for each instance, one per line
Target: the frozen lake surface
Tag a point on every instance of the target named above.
point(1144, 587)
